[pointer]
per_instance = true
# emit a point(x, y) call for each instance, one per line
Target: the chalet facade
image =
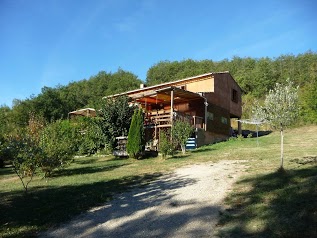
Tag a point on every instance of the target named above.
point(207, 101)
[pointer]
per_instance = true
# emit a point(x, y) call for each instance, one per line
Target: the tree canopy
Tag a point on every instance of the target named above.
point(256, 76)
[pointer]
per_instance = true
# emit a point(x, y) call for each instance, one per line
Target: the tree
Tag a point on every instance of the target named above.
point(135, 143)
point(308, 100)
point(23, 150)
point(181, 131)
point(59, 144)
point(280, 109)
point(116, 117)
point(165, 146)
point(24, 154)
point(92, 138)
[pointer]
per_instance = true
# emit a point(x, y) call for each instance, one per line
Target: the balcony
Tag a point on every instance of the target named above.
point(163, 118)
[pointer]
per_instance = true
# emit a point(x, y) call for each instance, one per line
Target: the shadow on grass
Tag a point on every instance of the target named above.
point(85, 160)
point(278, 205)
point(86, 170)
point(179, 156)
point(42, 208)
point(245, 133)
point(202, 149)
point(6, 170)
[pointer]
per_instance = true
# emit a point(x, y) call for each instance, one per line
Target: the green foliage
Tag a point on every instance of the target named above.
point(181, 131)
point(59, 144)
point(308, 101)
point(6, 125)
point(116, 117)
point(92, 138)
point(3, 151)
point(135, 145)
point(256, 77)
point(55, 103)
point(280, 107)
point(24, 154)
point(166, 71)
point(165, 145)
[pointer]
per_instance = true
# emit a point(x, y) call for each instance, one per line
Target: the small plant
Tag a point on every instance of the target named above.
point(240, 137)
point(165, 146)
point(249, 135)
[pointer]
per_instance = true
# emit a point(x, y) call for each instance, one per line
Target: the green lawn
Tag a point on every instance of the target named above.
point(264, 203)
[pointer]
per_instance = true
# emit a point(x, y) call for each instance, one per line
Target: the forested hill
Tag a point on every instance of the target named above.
point(255, 76)
point(55, 103)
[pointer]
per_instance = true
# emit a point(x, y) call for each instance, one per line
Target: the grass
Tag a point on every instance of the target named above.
point(264, 202)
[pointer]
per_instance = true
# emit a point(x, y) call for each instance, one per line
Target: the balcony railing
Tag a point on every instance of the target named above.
point(162, 118)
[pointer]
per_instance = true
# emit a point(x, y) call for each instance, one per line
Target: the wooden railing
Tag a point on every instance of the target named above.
point(158, 118)
point(162, 118)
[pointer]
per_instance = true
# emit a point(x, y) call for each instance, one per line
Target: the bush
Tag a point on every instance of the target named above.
point(24, 154)
point(92, 138)
point(181, 131)
point(59, 144)
point(165, 146)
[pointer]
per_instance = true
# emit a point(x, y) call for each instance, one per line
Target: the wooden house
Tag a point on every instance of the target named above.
point(207, 101)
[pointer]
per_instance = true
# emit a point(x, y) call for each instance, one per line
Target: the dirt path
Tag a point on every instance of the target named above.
point(183, 204)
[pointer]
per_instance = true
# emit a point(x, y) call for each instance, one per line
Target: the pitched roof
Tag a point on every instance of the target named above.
point(167, 84)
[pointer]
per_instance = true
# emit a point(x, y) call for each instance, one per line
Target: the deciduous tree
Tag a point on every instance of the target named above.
point(181, 131)
point(280, 109)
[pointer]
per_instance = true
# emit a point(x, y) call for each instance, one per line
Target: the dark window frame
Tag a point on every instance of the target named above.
point(234, 96)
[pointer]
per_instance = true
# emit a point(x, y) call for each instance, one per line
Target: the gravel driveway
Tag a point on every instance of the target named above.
point(183, 204)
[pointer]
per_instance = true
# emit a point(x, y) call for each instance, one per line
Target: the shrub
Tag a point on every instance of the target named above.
point(165, 145)
point(92, 138)
point(59, 144)
point(24, 154)
point(181, 131)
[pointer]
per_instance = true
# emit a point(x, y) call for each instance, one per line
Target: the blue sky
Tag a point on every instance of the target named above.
point(46, 43)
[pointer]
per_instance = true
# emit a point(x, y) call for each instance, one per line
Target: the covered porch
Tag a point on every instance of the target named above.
point(163, 106)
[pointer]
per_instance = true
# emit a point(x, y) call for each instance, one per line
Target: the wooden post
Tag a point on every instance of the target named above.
point(172, 112)
point(155, 131)
point(282, 146)
point(239, 127)
point(172, 105)
point(206, 110)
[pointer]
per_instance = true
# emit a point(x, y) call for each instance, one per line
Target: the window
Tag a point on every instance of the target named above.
point(210, 116)
point(224, 120)
point(234, 95)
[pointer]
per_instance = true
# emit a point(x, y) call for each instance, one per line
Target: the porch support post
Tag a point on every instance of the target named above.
point(239, 127)
point(172, 112)
point(155, 131)
point(206, 107)
point(172, 106)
